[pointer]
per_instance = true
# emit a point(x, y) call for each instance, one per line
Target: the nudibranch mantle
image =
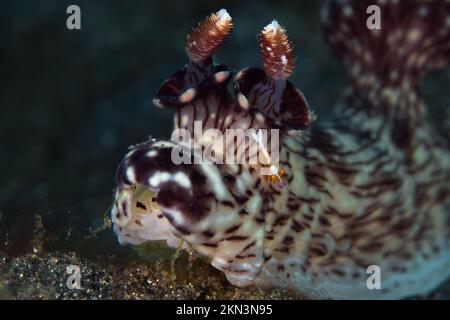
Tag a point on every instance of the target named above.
point(368, 188)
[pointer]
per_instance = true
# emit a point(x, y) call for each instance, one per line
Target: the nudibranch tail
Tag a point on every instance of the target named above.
point(277, 51)
point(388, 47)
point(208, 35)
point(390, 40)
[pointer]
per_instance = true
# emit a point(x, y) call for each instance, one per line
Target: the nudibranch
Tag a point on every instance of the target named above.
point(369, 187)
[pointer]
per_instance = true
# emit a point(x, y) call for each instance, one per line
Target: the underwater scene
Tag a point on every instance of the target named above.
point(225, 150)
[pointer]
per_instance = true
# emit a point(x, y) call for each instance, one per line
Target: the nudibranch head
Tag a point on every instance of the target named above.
point(215, 208)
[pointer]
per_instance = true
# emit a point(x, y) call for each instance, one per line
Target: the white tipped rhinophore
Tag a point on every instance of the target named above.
point(272, 27)
point(224, 16)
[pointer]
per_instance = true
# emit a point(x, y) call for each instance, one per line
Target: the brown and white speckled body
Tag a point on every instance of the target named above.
point(369, 188)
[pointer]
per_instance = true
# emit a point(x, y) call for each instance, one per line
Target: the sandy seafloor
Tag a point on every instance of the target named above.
point(73, 101)
point(43, 275)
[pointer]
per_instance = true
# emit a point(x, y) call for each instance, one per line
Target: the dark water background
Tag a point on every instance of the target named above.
point(71, 102)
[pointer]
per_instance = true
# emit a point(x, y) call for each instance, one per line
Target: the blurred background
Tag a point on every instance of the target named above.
point(71, 102)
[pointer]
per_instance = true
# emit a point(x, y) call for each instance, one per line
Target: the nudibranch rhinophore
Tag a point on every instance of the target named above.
point(368, 190)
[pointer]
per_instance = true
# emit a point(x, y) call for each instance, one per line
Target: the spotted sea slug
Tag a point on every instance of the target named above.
point(370, 187)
